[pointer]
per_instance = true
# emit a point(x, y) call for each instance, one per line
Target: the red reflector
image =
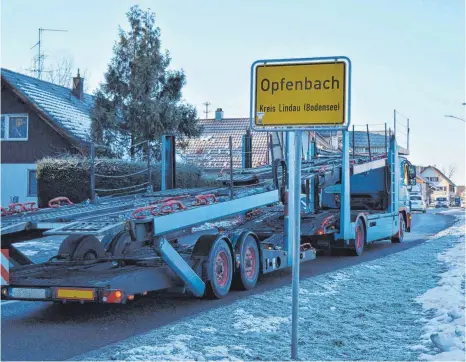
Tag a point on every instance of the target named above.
point(112, 296)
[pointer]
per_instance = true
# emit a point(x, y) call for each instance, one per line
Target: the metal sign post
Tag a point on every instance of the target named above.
point(291, 96)
point(293, 236)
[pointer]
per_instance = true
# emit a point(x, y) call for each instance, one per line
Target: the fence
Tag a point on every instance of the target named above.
point(144, 186)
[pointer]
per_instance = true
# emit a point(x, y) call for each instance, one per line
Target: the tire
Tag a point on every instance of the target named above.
point(399, 236)
point(360, 239)
point(119, 243)
point(248, 272)
point(220, 270)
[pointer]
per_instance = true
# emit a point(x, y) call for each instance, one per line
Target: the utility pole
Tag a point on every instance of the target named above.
point(207, 104)
point(39, 61)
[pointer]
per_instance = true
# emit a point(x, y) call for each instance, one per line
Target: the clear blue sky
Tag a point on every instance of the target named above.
point(407, 55)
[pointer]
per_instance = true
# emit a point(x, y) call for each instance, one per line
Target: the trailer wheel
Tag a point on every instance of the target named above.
point(119, 243)
point(81, 247)
point(220, 270)
point(89, 248)
point(248, 272)
point(360, 238)
point(399, 236)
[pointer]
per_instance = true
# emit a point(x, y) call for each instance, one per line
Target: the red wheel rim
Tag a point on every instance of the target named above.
point(250, 263)
point(358, 237)
point(221, 269)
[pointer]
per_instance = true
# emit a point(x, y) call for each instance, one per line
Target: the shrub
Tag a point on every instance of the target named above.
point(70, 176)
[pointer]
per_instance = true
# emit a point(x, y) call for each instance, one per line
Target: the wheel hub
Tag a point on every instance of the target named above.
point(250, 262)
point(221, 268)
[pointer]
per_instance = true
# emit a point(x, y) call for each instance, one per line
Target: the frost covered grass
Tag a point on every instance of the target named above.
point(385, 309)
point(443, 335)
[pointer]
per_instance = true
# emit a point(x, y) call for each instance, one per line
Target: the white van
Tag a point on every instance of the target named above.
point(417, 203)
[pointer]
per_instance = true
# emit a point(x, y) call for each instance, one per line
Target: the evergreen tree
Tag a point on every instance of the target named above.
point(140, 98)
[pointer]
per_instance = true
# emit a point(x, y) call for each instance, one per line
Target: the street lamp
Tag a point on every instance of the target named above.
point(461, 119)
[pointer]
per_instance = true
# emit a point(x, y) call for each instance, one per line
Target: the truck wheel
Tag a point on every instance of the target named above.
point(399, 236)
point(220, 270)
point(248, 273)
point(119, 243)
point(360, 239)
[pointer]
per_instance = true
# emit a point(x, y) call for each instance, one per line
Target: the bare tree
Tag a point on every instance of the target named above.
point(450, 171)
point(63, 71)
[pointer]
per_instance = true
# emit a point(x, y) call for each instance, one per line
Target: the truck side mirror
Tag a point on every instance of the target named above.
point(412, 173)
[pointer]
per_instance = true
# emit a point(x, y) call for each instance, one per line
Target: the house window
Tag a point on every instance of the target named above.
point(32, 183)
point(15, 127)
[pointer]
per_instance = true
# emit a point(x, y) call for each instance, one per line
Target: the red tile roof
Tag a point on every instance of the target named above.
point(211, 150)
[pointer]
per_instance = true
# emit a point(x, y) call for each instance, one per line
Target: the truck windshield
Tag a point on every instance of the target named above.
point(415, 198)
point(441, 199)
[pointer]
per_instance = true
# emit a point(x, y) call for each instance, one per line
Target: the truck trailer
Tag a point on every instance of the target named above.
point(205, 241)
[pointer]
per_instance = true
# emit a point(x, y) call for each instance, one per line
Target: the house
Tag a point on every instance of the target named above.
point(422, 187)
point(211, 151)
point(441, 184)
point(360, 142)
point(461, 192)
point(38, 119)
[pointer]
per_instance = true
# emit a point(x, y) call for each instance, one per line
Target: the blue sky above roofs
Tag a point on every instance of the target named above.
point(408, 55)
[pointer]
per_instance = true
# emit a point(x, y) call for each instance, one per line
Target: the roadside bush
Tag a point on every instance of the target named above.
point(70, 177)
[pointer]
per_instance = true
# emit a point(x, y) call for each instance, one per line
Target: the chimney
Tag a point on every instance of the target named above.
point(78, 87)
point(218, 114)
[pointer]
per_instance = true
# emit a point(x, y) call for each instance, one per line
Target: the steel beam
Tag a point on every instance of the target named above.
point(202, 214)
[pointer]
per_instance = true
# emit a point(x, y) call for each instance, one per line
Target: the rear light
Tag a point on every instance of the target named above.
point(112, 296)
point(130, 297)
point(320, 232)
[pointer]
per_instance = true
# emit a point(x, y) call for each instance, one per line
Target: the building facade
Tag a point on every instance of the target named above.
point(38, 119)
point(441, 185)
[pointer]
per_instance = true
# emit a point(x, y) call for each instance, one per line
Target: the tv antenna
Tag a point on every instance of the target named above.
point(206, 104)
point(39, 59)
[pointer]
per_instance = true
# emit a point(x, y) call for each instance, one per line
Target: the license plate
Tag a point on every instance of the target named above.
point(28, 293)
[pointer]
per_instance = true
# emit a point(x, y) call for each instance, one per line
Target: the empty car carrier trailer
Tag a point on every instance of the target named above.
point(202, 242)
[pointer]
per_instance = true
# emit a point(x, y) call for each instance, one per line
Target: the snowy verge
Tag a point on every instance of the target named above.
point(445, 330)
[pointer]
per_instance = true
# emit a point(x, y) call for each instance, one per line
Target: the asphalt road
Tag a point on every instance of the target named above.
point(43, 331)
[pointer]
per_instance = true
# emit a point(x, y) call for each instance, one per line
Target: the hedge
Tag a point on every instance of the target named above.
point(70, 177)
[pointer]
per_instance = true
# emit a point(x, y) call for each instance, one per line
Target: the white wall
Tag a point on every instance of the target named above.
point(442, 182)
point(14, 180)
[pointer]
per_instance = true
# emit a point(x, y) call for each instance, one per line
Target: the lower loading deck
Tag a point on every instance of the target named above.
point(96, 280)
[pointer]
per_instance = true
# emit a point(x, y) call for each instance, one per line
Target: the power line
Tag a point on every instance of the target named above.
point(207, 104)
point(401, 114)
